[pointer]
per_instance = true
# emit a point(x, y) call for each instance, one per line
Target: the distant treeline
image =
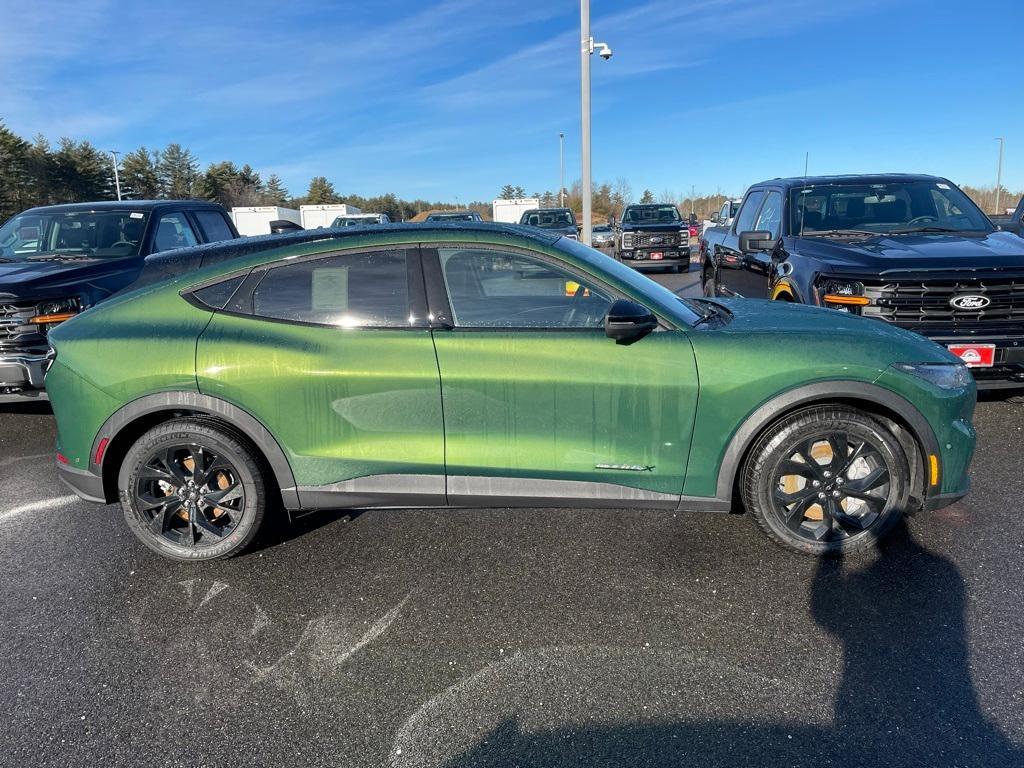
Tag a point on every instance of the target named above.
point(38, 173)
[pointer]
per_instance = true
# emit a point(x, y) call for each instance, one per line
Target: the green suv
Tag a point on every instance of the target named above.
point(477, 365)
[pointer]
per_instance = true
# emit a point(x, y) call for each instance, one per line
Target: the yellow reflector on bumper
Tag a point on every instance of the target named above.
point(933, 463)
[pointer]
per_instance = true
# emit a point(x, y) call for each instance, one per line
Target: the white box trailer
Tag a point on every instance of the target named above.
point(510, 211)
point(255, 219)
point(315, 216)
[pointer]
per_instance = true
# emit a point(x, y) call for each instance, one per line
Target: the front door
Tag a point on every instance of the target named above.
point(756, 273)
point(333, 355)
point(540, 407)
point(728, 258)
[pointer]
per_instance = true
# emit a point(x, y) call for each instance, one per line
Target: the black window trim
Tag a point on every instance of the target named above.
point(241, 302)
point(439, 307)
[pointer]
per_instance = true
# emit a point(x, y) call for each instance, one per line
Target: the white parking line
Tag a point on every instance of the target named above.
point(38, 506)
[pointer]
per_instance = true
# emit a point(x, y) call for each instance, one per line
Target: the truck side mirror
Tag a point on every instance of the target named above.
point(756, 240)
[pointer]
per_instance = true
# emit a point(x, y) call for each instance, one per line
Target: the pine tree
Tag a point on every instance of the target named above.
point(15, 180)
point(647, 197)
point(520, 193)
point(321, 192)
point(274, 193)
point(179, 172)
point(140, 177)
point(508, 192)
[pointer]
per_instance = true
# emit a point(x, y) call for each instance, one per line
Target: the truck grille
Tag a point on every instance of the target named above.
point(913, 303)
point(654, 239)
point(16, 335)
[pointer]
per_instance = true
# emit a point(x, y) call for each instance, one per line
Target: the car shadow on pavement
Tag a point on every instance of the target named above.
point(906, 696)
point(29, 408)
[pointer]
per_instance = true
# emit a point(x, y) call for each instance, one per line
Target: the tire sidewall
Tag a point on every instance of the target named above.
point(779, 443)
point(189, 433)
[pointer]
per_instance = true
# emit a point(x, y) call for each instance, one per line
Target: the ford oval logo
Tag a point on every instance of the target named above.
point(970, 302)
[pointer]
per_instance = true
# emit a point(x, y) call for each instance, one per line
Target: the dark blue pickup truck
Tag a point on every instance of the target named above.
point(909, 250)
point(58, 260)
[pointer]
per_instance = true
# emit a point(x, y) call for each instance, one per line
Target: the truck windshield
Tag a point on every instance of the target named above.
point(81, 234)
point(353, 221)
point(651, 214)
point(453, 217)
point(890, 208)
point(549, 219)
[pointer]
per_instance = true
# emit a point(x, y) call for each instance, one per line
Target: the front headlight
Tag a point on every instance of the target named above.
point(627, 239)
point(942, 375)
point(846, 295)
point(56, 311)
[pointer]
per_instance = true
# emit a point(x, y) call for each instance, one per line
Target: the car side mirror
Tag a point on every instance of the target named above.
point(756, 240)
point(628, 321)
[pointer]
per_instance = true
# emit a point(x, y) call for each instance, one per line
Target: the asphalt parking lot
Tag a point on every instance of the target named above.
point(511, 638)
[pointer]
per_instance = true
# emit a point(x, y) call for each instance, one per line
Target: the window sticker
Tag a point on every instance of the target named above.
point(940, 185)
point(330, 289)
point(135, 215)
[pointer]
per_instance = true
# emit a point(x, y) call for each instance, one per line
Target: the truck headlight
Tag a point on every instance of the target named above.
point(942, 375)
point(627, 239)
point(846, 295)
point(56, 311)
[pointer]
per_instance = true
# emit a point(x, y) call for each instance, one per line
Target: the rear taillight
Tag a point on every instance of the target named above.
point(62, 459)
point(101, 449)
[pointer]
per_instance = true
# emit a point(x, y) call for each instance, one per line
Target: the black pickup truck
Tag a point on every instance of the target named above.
point(1013, 222)
point(909, 250)
point(653, 236)
point(58, 260)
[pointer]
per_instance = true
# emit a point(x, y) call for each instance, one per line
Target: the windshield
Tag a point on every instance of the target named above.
point(549, 219)
point(91, 234)
point(601, 229)
point(651, 214)
point(899, 207)
point(453, 217)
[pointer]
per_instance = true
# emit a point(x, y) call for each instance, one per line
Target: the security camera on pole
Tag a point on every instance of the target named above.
point(586, 51)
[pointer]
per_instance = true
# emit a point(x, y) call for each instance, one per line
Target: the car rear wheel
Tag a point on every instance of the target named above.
point(193, 490)
point(826, 480)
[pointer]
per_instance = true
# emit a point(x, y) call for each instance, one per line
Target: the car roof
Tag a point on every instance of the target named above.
point(852, 178)
point(125, 205)
point(180, 260)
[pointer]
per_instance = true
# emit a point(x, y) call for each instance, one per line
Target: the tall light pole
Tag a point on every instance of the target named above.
point(561, 170)
point(587, 48)
point(117, 179)
point(999, 173)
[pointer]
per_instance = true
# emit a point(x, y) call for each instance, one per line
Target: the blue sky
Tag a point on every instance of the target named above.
point(456, 98)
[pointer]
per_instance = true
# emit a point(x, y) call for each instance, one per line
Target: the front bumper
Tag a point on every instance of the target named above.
point(640, 258)
point(83, 482)
point(21, 378)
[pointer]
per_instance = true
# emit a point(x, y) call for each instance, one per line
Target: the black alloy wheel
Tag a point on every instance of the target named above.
point(192, 489)
point(827, 480)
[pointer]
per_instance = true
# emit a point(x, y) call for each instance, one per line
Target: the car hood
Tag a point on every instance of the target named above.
point(53, 279)
point(819, 334)
point(932, 252)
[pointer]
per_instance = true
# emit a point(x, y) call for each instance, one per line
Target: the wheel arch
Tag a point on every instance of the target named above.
point(900, 415)
point(133, 420)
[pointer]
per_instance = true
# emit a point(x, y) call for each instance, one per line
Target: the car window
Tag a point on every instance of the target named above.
point(214, 226)
point(500, 289)
point(174, 231)
point(770, 217)
point(745, 216)
point(349, 290)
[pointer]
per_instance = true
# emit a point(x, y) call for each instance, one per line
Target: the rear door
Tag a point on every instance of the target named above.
point(332, 353)
point(540, 407)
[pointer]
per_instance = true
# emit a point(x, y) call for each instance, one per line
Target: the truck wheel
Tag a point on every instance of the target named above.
point(193, 490)
point(707, 280)
point(826, 480)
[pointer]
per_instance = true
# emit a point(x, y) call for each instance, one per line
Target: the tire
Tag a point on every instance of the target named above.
point(707, 281)
point(163, 464)
point(1016, 399)
point(778, 481)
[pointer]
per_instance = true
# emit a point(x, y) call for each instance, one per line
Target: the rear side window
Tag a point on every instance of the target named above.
point(745, 217)
point(174, 231)
point(214, 226)
point(351, 290)
point(217, 295)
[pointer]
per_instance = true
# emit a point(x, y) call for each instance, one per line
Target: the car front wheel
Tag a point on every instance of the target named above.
point(193, 490)
point(826, 480)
